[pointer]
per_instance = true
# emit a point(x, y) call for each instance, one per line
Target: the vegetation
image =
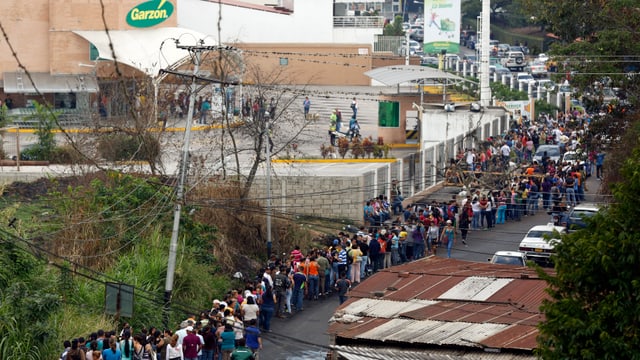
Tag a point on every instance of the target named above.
point(593, 311)
point(394, 28)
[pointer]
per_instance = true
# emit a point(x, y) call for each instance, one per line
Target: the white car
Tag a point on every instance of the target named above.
point(540, 241)
point(543, 57)
point(517, 258)
point(572, 158)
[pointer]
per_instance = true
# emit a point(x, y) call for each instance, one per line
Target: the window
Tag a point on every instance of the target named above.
point(284, 61)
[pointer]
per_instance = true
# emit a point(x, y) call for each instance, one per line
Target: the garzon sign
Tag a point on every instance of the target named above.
point(149, 13)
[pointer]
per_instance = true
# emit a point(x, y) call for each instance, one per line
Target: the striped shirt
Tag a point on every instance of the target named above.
point(342, 257)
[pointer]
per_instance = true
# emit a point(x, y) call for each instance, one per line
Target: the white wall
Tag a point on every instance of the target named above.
point(311, 22)
point(460, 122)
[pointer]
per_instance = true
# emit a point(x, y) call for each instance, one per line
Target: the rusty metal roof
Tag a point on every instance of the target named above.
point(373, 353)
point(435, 302)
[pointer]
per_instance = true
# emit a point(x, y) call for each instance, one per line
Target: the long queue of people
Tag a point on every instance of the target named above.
point(227, 331)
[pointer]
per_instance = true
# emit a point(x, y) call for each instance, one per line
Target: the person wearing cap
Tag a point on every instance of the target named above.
point(448, 237)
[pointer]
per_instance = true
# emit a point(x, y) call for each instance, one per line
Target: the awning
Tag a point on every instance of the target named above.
point(19, 82)
point(147, 50)
point(398, 74)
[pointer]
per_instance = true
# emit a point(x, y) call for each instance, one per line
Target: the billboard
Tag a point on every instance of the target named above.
point(442, 26)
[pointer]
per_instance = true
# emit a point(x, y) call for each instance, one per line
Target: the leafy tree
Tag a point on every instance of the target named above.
point(46, 144)
point(504, 92)
point(594, 312)
point(597, 38)
point(394, 28)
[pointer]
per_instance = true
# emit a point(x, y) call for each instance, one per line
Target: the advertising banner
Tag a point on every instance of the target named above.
point(442, 26)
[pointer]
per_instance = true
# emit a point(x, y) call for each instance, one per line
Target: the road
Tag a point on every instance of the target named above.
point(304, 336)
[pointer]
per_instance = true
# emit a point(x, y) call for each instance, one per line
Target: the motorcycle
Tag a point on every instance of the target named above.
point(350, 135)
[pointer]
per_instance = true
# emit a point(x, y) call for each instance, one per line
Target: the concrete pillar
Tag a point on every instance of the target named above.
point(520, 85)
point(495, 76)
point(514, 82)
point(539, 95)
point(548, 97)
point(505, 79)
point(464, 69)
point(559, 100)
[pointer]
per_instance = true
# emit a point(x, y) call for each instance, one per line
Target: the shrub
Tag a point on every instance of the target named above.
point(343, 147)
point(121, 147)
point(356, 148)
point(368, 146)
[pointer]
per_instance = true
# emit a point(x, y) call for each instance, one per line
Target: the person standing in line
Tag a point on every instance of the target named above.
point(354, 108)
point(356, 254)
point(253, 338)
point(227, 339)
point(306, 105)
point(599, 162)
point(448, 237)
point(299, 281)
point(343, 285)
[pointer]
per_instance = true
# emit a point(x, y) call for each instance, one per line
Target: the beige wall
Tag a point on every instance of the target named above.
point(40, 31)
point(311, 64)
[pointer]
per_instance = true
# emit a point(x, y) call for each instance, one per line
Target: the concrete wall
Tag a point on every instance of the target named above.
point(329, 197)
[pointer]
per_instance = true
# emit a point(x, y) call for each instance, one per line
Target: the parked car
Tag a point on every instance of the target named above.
point(537, 69)
point(552, 151)
point(574, 220)
point(471, 42)
point(503, 49)
point(539, 242)
point(501, 70)
point(526, 78)
point(470, 59)
point(516, 258)
point(417, 35)
point(546, 84)
point(514, 61)
point(572, 158)
point(429, 61)
point(414, 47)
point(543, 57)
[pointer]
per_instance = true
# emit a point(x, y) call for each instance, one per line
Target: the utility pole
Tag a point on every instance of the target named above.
point(196, 52)
point(184, 165)
point(267, 125)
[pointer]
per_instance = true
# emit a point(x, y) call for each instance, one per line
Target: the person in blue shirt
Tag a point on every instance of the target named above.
point(599, 162)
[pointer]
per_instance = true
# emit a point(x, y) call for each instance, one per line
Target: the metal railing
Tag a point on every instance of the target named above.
point(388, 43)
point(358, 21)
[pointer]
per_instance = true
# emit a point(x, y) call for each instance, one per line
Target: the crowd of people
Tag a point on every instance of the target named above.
point(502, 182)
point(392, 234)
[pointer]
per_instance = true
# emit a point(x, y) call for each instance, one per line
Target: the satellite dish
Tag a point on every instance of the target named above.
point(450, 107)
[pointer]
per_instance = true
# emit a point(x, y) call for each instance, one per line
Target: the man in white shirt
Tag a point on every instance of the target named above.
point(471, 158)
point(505, 151)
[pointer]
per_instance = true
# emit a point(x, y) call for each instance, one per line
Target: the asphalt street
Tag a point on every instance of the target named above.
point(304, 335)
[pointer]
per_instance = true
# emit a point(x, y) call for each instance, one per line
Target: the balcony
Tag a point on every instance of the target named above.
point(358, 21)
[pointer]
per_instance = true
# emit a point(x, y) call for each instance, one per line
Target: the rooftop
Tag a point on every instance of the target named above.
point(444, 303)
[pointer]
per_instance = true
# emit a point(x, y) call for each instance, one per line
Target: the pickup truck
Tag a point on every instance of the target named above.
point(514, 61)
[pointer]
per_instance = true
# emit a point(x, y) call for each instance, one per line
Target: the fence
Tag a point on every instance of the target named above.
point(384, 43)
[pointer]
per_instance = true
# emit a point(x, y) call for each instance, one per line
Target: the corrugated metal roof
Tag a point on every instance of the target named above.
point(445, 302)
point(475, 288)
point(372, 353)
point(384, 308)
